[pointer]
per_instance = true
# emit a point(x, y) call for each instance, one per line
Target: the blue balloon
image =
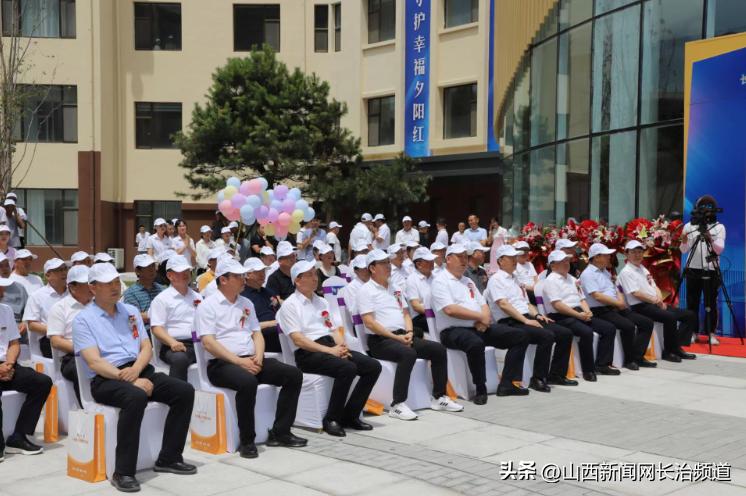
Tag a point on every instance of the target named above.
point(276, 204)
point(294, 193)
point(264, 183)
point(301, 205)
point(247, 214)
point(221, 196)
point(234, 181)
point(253, 200)
point(309, 214)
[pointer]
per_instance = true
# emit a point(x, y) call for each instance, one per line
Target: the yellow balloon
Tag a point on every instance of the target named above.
point(265, 198)
point(294, 227)
point(297, 215)
point(269, 230)
point(229, 191)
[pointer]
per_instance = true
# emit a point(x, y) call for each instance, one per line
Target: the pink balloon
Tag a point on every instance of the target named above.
point(263, 222)
point(288, 205)
point(281, 232)
point(281, 192)
point(244, 188)
point(225, 207)
point(255, 187)
point(272, 215)
point(234, 214)
point(238, 200)
point(284, 219)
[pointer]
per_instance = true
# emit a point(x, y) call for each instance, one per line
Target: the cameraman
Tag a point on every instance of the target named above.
point(701, 275)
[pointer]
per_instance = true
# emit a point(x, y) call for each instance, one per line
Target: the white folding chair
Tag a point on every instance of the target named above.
point(161, 366)
point(331, 288)
point(66, 400)
point(151, 430)
point(264, 408)
point(11, 401)
point(458, 367)
point(34, 344)
point(353, 342)
point(346, 272)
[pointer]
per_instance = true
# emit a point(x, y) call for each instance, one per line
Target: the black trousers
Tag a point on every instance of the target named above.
point(584, 330)
point(419, 325)
point(544, 338)
point(271, 340)
point(634, 329)
point(405, 357)
point(69, 372)
point(274, 372)
point(45, 346)
point(696, 285)
point(132, 400)
point(36, 386)
point(673, 338)
point(343, 370)
point(472, 342)
point(179, 360)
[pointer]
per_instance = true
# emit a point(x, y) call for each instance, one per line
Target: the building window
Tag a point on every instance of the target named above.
point(147, 211)
point(544, 92)
point(255, 25)
point(39, 18)
point(460, 111)
point(381, 121)
point(458, 12)
point(321, 28)
point(157, 26)
point(49, 115)
point(612, 180)
point(53, 212)
point(337, 27)
point(381, 20)
point(155, 124)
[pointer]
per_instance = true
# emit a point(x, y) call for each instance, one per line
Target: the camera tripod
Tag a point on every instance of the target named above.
point(708, 280)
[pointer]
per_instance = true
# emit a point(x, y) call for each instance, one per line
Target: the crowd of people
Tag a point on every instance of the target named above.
point(234, 294)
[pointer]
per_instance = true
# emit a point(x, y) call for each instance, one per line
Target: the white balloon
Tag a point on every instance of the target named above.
point(309, 214)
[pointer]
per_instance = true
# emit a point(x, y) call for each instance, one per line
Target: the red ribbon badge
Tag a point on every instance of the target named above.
point(196, 302)
point(471, 290)
point(246, 313)
point(327, 320)
point(133, 323)
point(397, 295)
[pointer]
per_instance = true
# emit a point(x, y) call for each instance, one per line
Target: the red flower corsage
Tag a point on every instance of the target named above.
point(246, 313)
point(133, 323)
point(471, 290)
point(196, 302)
point(327, 320)
point(397, 295)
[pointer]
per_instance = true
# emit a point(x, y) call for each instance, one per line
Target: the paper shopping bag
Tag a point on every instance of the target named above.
point(208, 423)
point(86, 459)
point(51, 420)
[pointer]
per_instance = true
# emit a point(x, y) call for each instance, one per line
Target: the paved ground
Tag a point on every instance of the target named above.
point(676, 414)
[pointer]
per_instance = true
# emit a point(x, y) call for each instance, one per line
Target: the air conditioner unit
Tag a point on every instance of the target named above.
point(118, 255)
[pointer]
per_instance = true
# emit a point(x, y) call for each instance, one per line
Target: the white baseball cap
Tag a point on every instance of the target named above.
point(178, 263)
point(632, 244)
point(412, 244)
point(423, 223)
point(102, 256)
point(333, 225)
point(4, 282)
point(360, 246)
point(165, 255)
point(324, 248)
point(3, 258)
point(599, 249)
point(11, 195)
point(284, 249)
point(507, 251)
point(564, 243)
point(366, 217)
point(103, 272)
point(266, 250)
point(395, 248)
point(79, 256)
point(423, 253)
point(437, 246)
point(406, 218)
point(375, 256)
point(557, 256)
point(5, 228)
point(474, 246)
point(225, 229)
point(229, 265)
point(24, 254)
point(359, 262)
point(215, 253)
point(52, 264)
point(159, 221)
point(318, 244)
point(379, 217)
point(78, 274)
point(301, 268)
point(9, 201)
point(204, 229)
point(521, 245)
point(253, 264)
point(455, 249)
point(233, 224)
point(174, 220)
point(143, 260)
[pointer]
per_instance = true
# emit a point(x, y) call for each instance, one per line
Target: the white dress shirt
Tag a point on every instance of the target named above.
point(595, 280)
point(418, 288)
point(203, 251)
point(333, 241)
point(61, 315)
point(31, 283)
point(449, 290)
point(308, 316)
point(349, 293)
point(177, 243)
point(384, 232)
point(403, 237)
point(504, 286)
point(565, 289)
point(399, 275)
point(636, 278)
point(458, 238)
point(479, 234)
point(232, 324)
point(8, 330)
point(40, 303)
point(175, 312)
point(386, 304)
point(361, 233)
point(442, 237)
point(526, 273)
point(159, 245)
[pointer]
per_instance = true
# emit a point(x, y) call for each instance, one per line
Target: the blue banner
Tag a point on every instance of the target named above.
point(417, 78)
point(492, 144)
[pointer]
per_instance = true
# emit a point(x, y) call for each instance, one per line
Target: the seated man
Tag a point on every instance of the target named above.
point(399, 272)
point(474, 271)
point(361, 275)
point(280, 282)
point(439, 250)
point(305, 317)
point(111, 338)
point(15, 297)
point(268, 258)
point(60, 322)
point(417, 289)
point(607, 303)
point(141, 294)
point(14, 377)
point(525, 271)
point(463, 319)
point(209, 275)
point(22, 271)
point(41, 301)
point(644, 297)
point(509, 305)
point(265, 302)
point(172, 318)
point(391, 337)
point(566, 304)
point(229, 330)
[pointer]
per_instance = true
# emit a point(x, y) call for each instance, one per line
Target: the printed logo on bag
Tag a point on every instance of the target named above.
point(133, 324)
point(327, 320)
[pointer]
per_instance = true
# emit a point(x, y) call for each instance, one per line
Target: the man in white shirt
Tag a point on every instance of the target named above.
point(60, 322)
point(141, 237)
point(407, 263)
point(399, 272)
point(701, 276)
point(203, 247)
point(361, 234)
point(459, 237)
point(525, 270)
point(16, 220)
point(439, 250)
point(22, 272)
point(361, 276)
point(442, 236)
point(227, 325)
point(463, 319)
point(509, 305)
point(644, 297)
point(407, 233)
point(475, 233)
point(423, 227)
point(565, 303)
point(391, 337)
point(417, 289)
point(40, 301)
point(306, 319)
point(607, 303)
point(158, 242)
point(171, 316)
point(332, 239)
point(382, 233)
point(268, 258)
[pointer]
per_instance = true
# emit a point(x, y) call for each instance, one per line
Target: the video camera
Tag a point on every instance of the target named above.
point(705, 212)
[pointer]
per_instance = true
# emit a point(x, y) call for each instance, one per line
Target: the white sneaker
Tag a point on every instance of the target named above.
point(445, 403)
point(402, 412)
point(714, 340)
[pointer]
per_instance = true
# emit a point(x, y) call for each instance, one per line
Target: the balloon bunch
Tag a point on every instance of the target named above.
point(279, 210)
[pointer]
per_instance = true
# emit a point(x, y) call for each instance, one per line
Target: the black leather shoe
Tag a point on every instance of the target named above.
point(559, 380)
point(481, 399)
point(631, 366)
point(671, 357)
point(125, 483)
point(358, 425)
point(647, 364)
point(539, 385)
point(608, 370)
point(248, 451)
point(589, 376)
point(179, 468)
point(513, 390)
point(684, 355)
point(288, 440)
point(20, 445)
point(333, 428)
